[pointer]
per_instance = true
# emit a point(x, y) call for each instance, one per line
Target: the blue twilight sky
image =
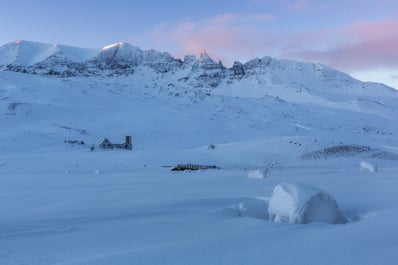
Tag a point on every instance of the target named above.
point(356, 36)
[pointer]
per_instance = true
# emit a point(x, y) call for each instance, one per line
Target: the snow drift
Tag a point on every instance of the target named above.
point(366, 166)
point(258, 173)
point(302, 204)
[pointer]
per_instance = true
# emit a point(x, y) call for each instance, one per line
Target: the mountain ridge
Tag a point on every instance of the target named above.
point(293, 81)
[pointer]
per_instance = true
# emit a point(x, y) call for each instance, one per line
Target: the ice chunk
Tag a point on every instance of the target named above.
point(302, 204)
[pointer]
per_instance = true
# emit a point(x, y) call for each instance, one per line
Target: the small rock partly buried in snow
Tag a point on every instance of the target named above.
point(303, 204)
point(241, 209)
point(366, 166)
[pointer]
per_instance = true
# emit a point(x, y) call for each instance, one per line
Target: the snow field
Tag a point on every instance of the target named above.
point(63, 204)
point(108, 218)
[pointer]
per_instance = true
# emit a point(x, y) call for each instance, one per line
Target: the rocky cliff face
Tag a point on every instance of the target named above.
point(204, 72)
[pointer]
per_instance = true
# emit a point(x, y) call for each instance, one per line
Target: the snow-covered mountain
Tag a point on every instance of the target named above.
point(276, 120)
point(123, 58)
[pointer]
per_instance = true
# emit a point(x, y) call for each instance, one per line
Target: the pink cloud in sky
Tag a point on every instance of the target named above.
point(358, 46)
point(300, 5)
point(260, 18)
point(229, 37)
point(297, 6)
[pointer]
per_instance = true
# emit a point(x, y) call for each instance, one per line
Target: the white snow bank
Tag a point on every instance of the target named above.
point(368, 166)
point(302, 204)
point(258, 173)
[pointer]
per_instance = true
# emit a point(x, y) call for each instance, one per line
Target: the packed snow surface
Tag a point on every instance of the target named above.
point(65, 201)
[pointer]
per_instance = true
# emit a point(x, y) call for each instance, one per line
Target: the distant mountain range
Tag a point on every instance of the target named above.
point(125, 59)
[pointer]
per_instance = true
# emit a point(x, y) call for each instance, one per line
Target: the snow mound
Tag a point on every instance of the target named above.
point(366, 166)
point(258, 174)
point(302, 204)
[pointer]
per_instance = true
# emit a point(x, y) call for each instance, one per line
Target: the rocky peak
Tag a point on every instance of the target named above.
point(206, 63)
point(189, 60)
point(120, 55)
point(237, 71)
point(204, 71)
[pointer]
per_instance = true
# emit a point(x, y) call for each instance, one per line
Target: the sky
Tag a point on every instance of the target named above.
point(359, 37)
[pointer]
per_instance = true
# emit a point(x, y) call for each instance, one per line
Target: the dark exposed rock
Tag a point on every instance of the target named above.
point(237, 71)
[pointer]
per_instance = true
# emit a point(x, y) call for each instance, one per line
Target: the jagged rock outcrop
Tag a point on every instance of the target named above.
point(125, 56)
point(204, 72)
point(189, 60)
point(237, 71)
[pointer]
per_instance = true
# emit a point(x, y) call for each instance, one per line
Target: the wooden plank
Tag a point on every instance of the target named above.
point(182, 167)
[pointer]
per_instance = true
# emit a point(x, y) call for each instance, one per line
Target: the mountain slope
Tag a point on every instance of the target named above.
point(27, 53)
point(276, 97)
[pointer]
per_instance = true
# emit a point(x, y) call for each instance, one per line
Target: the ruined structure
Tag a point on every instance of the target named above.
point(106, 144)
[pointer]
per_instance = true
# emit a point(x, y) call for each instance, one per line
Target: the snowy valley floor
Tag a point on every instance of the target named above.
point(100, 212)
point(62, 204)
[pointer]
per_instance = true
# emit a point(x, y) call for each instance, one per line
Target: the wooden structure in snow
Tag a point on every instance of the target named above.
point(106, 144)
point(182, 167)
